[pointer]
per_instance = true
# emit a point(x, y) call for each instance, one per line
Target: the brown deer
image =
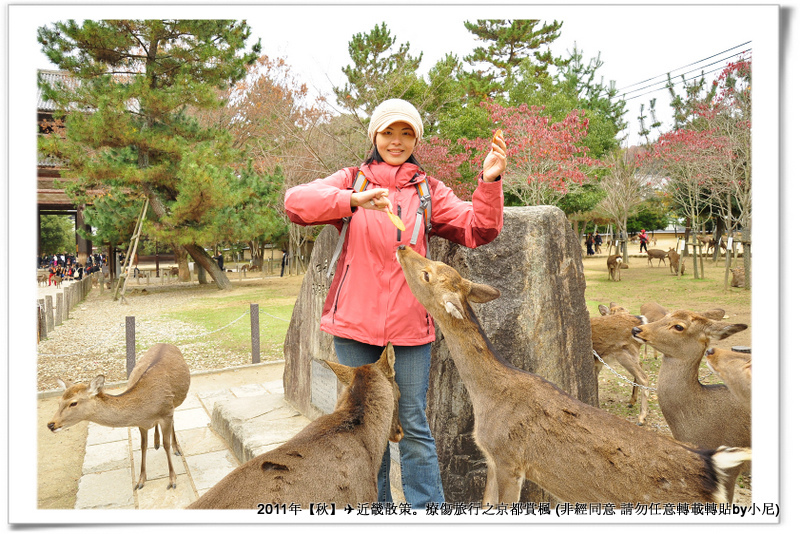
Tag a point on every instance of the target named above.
point(706, 416)
point(527, 428)
point(737, 277)
point(158, 384)
point(612, 340)
point(735, 368)
point(335, 459)
point(656, 253)
point(614, 264)
point(675, 262)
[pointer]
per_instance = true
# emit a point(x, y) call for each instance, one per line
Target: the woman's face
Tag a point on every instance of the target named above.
point(395, 143)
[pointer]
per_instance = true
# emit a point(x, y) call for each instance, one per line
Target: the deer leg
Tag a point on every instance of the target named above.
point(156, 438)
point(167, 430)
point(490, 490)
point(631, 363)
point(509, 484)
point(142, 468)
point(178, 451)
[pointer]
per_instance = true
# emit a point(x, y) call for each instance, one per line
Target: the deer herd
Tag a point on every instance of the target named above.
point(525, 426)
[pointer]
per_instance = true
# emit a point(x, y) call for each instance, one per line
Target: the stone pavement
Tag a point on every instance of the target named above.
point(249, 419)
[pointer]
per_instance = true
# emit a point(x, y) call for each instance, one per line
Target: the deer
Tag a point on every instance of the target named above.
point(614, 264)
point(674, 261)
point(737, 277)
point(334, 459)
point(656, 253)
point(157, 385)
point(528, 428)
point(735, 369)
point(612, 340)
point(706, 416)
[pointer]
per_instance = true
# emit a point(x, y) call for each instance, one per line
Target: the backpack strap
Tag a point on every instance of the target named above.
point(423, 212)
point(359, 184)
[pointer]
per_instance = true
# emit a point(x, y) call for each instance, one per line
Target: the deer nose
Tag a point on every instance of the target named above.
point(51, 425)
point(636, 331)
point(401, 247)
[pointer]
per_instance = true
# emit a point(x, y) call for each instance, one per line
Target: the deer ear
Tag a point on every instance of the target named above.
point(386, 363)
point(482, 292)
point(63, 384)
point(344, 373)
point(720, 330)
point(604, 309)
point(453, 307)
point(96, 385)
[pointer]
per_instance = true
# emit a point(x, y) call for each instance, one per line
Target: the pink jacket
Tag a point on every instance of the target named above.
point(369, 300)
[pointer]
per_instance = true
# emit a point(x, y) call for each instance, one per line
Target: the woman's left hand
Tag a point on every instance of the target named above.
point(495, 163)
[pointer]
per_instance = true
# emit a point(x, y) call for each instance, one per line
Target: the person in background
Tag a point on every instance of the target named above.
point(369, 303)
point(643, 239)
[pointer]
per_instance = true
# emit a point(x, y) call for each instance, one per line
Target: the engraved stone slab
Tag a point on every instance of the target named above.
point(323, 387)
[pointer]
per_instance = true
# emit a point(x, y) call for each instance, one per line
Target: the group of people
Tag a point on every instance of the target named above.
point(593, 243)
point(66, 266)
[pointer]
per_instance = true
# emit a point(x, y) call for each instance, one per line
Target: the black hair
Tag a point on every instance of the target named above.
point(375, 157)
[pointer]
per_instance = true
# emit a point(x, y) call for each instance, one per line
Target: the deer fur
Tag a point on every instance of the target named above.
point(706, 416)
point(335, 459)
point(527, 428)
point(612, 340)
point(658, 254)
point(158, 384)
point(614, 264)
point(735, 368)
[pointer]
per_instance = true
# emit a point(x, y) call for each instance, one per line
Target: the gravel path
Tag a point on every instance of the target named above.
point(92, 341)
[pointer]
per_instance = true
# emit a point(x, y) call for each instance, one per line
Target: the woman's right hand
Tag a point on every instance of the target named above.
point(371, 199)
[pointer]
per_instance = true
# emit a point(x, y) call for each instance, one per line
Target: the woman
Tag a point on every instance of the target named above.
point(369, 303)
point(643, 239)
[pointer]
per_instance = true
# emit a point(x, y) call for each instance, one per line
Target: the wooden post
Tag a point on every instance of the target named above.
point(255, 334)
point(42, 320)
point(130, 344)
point(59, 314)
point(48, 312)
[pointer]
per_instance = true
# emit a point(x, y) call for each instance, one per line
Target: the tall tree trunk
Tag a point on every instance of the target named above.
point(197, 252)
point(182, 258)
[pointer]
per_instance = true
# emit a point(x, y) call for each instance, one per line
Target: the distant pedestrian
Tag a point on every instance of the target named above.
point(643, 240)
point(284, 261)
point(220, 262)
point(598, 241)
point(589, 243)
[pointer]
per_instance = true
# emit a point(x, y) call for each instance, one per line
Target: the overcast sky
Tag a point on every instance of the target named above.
point(636, 43)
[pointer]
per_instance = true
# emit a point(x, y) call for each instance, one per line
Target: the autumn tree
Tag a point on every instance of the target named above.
point(508, 44)
point(546, 158)
point(127, 124)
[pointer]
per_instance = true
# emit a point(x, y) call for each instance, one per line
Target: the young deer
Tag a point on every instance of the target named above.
point(614, 264)
point(735, 368)
point(527, 427)
point(612, 340)
point(158, 384)
point(335, 459)
point(705, 416)
point(656, 253)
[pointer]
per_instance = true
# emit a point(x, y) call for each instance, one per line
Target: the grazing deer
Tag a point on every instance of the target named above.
point(158, 384)
point(658, 254)
point(706, 416)
point(735, 368)
point(527, 428)
point(674, 261)
point(612, 340)
point(335, 459)
point(614, 264)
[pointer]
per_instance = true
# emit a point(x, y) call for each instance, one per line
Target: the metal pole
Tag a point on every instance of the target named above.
point(255, 337)
point(130, 344)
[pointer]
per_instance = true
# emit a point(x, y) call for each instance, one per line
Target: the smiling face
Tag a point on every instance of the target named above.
point(396, 142)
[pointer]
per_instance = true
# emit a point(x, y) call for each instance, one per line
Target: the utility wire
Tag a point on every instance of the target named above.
point(689, 65)
point(628, 97)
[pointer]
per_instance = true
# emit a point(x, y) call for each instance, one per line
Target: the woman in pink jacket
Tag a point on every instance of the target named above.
point(369, 303)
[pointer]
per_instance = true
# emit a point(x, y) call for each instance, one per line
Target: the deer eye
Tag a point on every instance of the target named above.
point(73, 404)
point(678, 327)
point(427, 277)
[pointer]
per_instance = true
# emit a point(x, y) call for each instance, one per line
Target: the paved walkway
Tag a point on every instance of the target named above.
point(111, 464)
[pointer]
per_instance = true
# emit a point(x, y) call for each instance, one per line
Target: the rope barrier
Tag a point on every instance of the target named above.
point(619, 375)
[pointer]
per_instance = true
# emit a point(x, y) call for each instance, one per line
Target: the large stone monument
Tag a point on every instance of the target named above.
point(540, 323)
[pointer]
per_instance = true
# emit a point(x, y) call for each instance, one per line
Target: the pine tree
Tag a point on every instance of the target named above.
point(132, 82)
point(510, 43)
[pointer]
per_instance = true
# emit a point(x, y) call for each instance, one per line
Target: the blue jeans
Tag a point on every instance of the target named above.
point(419, 463)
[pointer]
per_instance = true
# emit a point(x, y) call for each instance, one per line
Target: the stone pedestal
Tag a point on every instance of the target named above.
point(540, 323)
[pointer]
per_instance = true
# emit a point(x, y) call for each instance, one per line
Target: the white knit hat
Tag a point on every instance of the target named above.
point(391, 111)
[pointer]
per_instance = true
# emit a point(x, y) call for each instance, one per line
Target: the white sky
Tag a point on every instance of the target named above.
point(637, 42)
